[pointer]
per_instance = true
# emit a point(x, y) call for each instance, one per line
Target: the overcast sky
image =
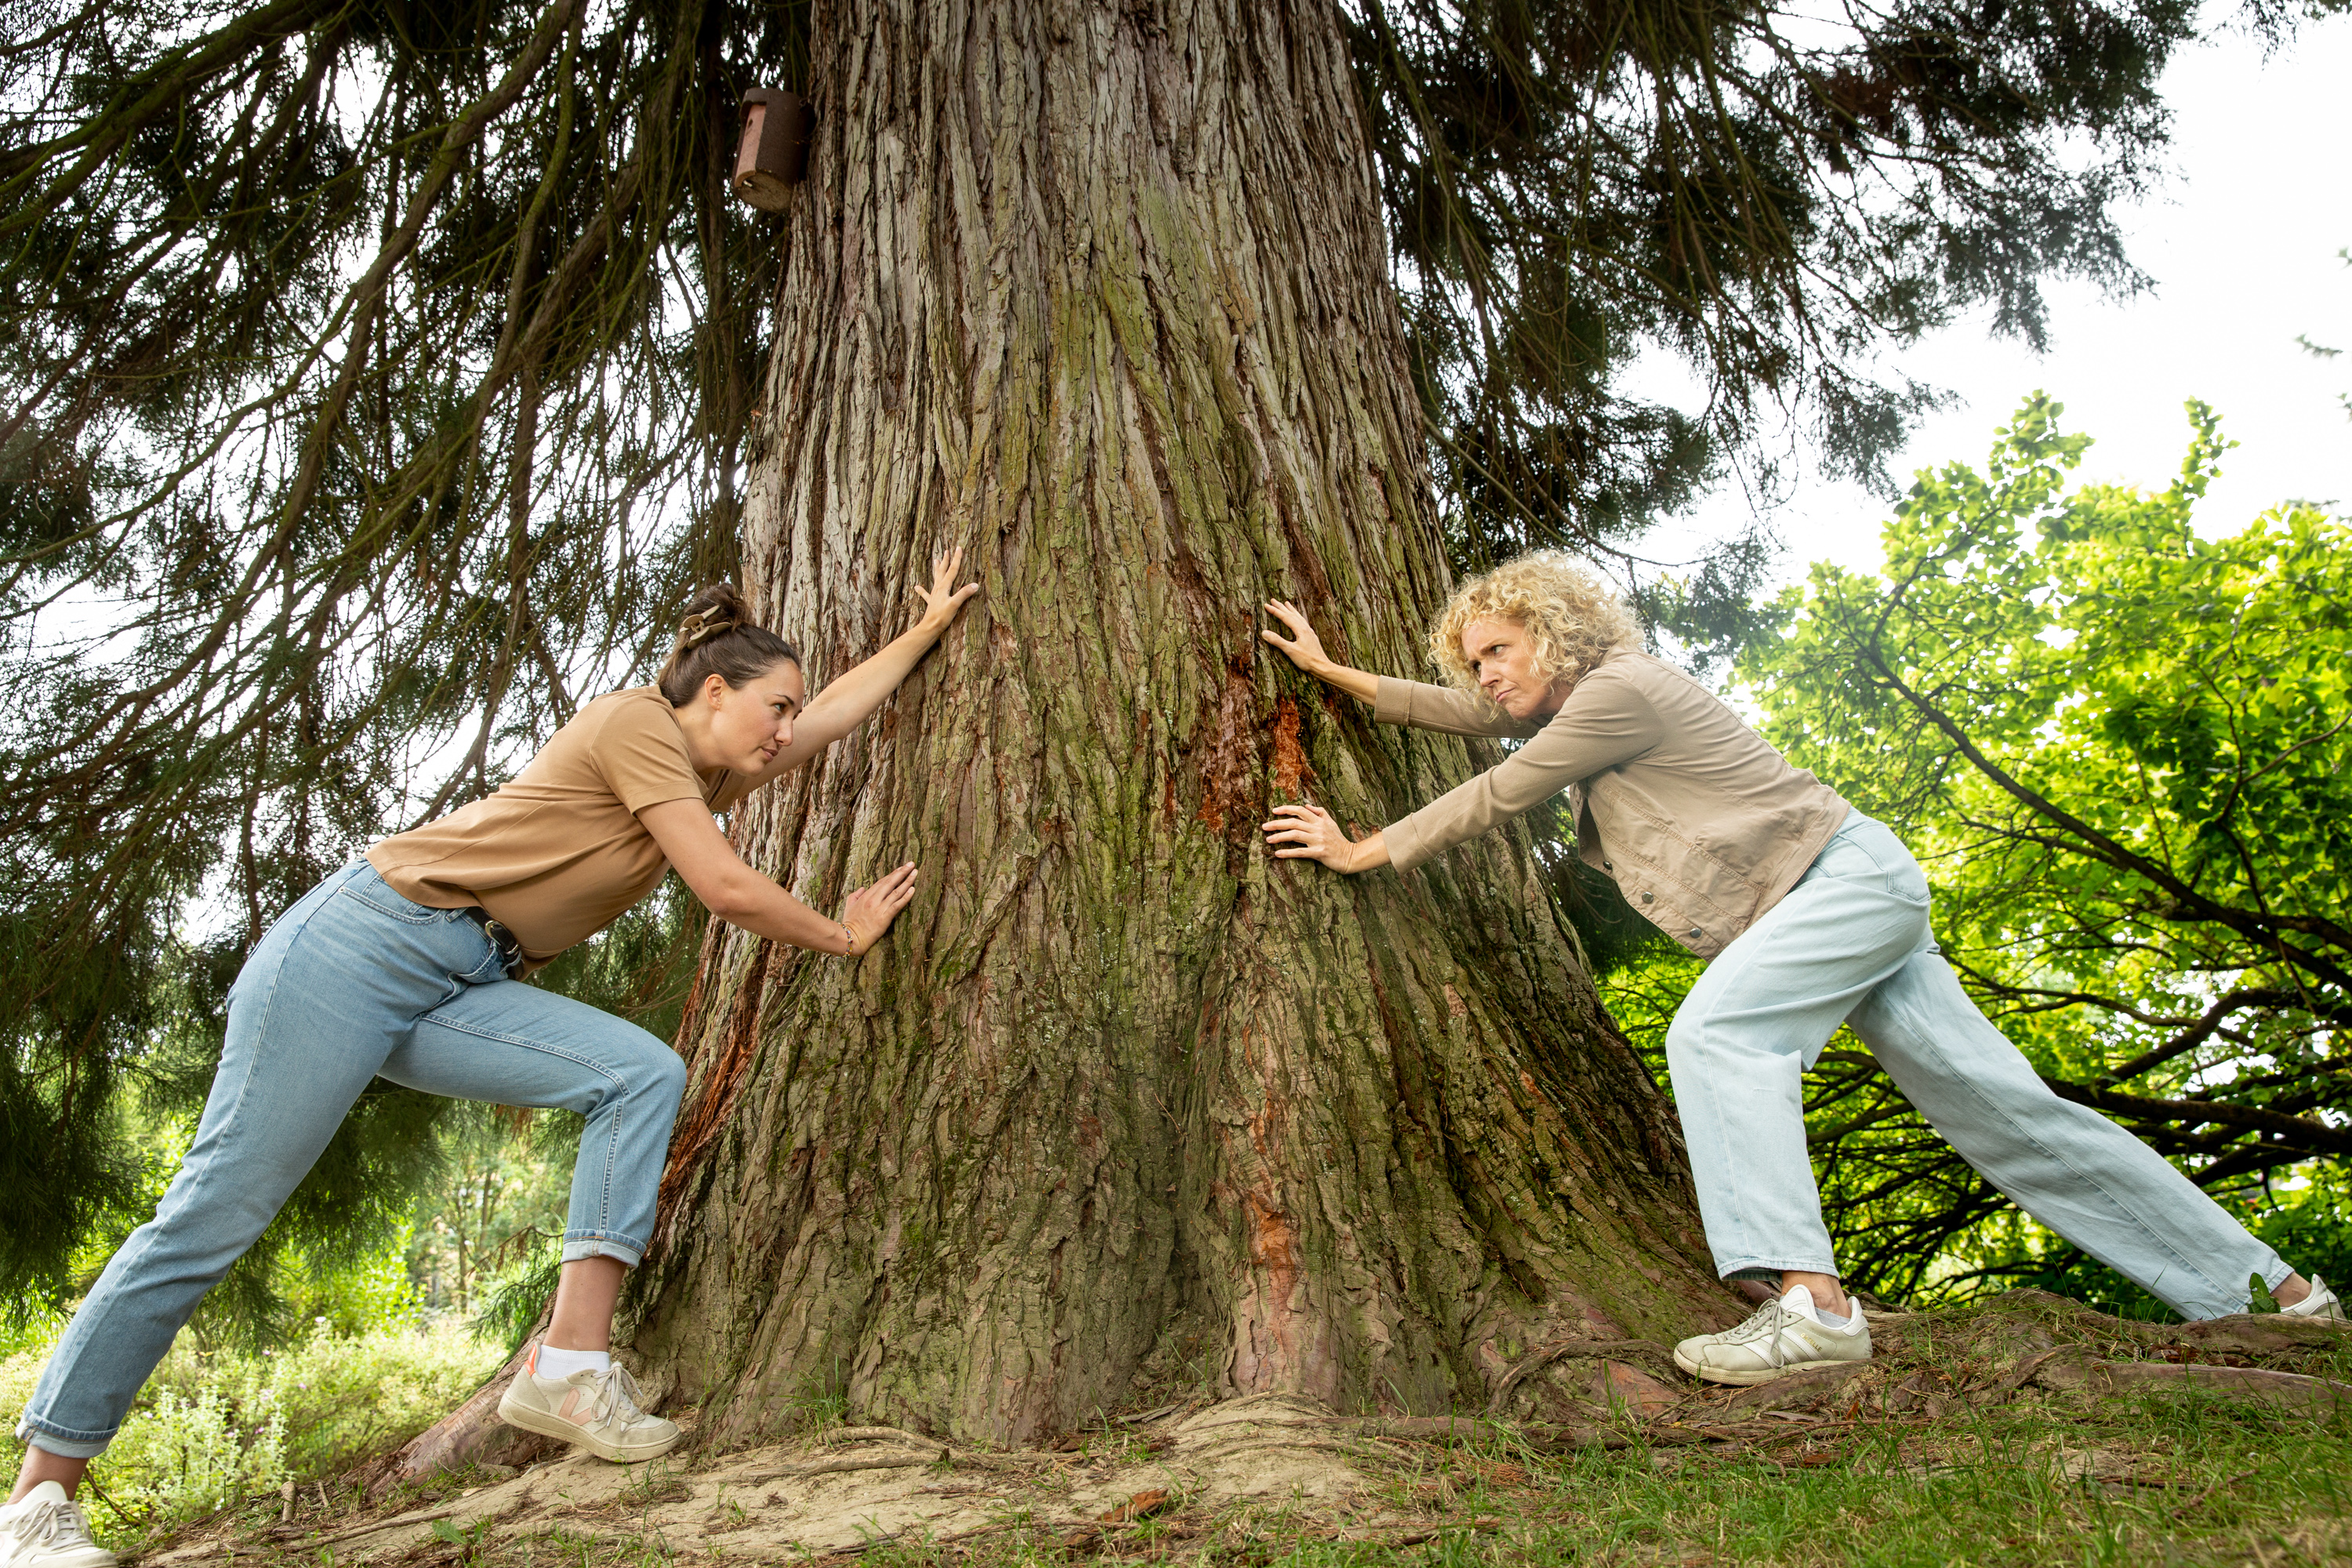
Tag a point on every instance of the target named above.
point(2243, 244)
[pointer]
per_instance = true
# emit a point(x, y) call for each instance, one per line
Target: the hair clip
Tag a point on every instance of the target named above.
point(699, 628)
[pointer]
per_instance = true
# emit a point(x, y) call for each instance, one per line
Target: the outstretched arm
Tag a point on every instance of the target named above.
point(741, 897)
point(1306, 651)
point(849, 702)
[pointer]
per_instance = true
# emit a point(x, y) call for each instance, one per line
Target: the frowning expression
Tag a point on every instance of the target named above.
point(1502, 657)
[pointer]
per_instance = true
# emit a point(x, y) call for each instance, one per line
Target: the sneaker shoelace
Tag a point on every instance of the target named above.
point(616, 1393)
point(53, 1523)
point(1765, 1323)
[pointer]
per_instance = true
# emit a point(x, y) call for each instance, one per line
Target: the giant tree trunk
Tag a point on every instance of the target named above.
point(1098, 290)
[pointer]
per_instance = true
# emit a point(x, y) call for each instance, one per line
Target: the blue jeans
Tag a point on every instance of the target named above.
point(352, 982)
point(1850, 943)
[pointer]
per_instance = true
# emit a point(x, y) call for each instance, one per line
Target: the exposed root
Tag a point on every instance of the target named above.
point(842, 1437)
point(843, 1492)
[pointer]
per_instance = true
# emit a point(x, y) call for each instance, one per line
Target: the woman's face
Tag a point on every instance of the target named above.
point(752, 722)
point(1503, 659)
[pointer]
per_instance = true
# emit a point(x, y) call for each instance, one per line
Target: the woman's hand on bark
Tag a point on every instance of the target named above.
point(1304, 647)
point(869, 911)
point(1311, 833)
point(942, 600)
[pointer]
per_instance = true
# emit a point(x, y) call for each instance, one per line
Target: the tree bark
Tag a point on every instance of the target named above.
point(1099, 292)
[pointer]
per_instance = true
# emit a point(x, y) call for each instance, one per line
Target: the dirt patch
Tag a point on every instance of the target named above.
point(855, 1489)
point(1173, 1474)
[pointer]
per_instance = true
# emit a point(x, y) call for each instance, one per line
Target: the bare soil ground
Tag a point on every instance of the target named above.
point(2028, 1430)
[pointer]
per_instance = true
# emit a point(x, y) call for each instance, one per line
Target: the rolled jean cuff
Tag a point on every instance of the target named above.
point(2273, 1274)
point(580, 1244)
point(63, 1444)
point(1770, 1272)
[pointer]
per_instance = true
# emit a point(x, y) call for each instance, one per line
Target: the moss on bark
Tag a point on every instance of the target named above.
point(1098, 292)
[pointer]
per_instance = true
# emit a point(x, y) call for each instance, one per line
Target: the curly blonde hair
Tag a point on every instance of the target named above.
point(1572, 618)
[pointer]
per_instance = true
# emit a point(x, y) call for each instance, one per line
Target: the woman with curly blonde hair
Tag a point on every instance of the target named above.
point(1812, 915)
point(1570, 617)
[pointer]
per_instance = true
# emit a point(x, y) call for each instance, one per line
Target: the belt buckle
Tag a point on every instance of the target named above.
point(508, 945)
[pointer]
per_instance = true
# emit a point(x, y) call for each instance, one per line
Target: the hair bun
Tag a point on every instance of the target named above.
point(717, 610)
point(705, 647)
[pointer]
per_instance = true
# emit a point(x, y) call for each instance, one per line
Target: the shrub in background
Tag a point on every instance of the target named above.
point(183, 1456)
point(211, 1428)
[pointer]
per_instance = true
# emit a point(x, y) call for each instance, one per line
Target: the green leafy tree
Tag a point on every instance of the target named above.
point(375, 378)
point(2124, 753)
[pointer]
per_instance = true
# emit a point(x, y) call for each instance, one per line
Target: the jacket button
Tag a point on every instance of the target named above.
point(1695, 931)
point(1609, 865)
point(1649, 898)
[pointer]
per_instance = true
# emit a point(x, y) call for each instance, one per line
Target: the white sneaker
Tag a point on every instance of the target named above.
point(48, 1529)
point(1784, 1336)
point(2320, 1303)
point(597, 1410)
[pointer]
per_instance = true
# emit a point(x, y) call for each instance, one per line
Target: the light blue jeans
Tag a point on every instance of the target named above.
point(1850, 943)
point(352, 982)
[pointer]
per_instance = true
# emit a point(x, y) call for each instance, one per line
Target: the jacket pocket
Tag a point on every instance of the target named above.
point(1676, 883)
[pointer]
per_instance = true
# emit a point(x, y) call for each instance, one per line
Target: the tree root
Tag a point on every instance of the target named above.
point(841, 1436)
point(899, 1461)
point(841, 1492)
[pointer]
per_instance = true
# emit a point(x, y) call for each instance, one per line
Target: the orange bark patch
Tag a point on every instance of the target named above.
point(1634, 1389)
point(1272, 1240)
point(1278, 1343)
point(1289, 757)
point(1228, 754)
point(702, 1119)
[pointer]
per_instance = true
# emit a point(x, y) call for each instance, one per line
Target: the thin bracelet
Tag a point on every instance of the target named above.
point(850, 938)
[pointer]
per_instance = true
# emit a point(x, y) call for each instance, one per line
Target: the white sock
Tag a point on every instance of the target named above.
point(559, 1364)
point(1798, 1299)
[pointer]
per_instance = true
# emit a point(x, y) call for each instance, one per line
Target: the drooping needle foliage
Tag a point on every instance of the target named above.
point(375, 377)
point(372, 377)
point(1767, 193)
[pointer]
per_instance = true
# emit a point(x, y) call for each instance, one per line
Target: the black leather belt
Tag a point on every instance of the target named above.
point(510, 949)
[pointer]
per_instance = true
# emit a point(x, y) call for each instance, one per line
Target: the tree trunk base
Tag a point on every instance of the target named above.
point(1190, 1471)
point(471, 1436)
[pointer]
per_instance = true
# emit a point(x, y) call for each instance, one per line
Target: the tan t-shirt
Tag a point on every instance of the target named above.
point(557, 853)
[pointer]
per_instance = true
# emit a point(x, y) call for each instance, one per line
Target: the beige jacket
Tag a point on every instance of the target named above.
point(1701, 822)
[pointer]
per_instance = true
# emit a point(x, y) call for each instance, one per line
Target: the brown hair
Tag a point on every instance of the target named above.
point(718, 638)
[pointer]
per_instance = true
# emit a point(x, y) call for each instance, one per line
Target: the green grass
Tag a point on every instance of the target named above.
point(2205, 1481)
point(2028, 1476)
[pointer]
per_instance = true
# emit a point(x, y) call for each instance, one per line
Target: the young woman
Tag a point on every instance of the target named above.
point(1811, 913)
point(406, 964)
